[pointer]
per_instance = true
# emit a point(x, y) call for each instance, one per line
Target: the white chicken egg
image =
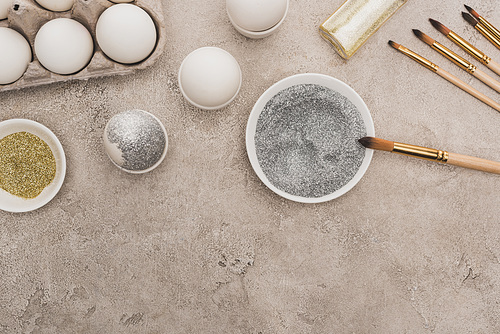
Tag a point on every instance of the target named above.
point(126, 33)
point(56, 5)
point(15, 55)
point(256, 15)
point(64, 46)
point(121, 1)
point(4, 8)
point(210, 78)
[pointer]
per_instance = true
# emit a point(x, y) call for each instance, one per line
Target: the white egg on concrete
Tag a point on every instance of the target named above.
point(256, 18)
point(126, 33)
point(121, 1)
point(56, 5)
point(15, 55)
point(64, 46)
point(4, 8)
point(135, 141)
point(210, 78)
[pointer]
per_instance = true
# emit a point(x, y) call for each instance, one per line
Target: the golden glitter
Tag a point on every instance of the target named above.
point(27, 164)
point(355, 21)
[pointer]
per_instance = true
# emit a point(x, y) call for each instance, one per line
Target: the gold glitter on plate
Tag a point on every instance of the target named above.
point(27, 165)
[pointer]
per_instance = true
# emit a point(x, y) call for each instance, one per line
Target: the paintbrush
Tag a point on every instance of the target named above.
point(432, 154)
point(448, 76)
point(469, 48)
point(461, 62)
point(484, 22)
point(482, 29)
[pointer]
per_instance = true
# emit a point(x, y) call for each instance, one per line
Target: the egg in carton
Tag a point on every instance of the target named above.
point(27, 17)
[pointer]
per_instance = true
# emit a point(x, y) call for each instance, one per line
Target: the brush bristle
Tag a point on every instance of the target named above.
point(423, 37)
point(439, 26)
point(472, 11)
point(469, 18)
point(377, 144)
point(394, 44)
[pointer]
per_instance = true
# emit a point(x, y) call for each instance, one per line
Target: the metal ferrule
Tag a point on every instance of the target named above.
point(421, 152)
point(490, 27)
point(488, 34)
point(418, 58)
point(469, 48)
point(464, 64)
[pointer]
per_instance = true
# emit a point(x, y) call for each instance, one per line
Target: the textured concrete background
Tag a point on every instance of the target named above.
point(200, 245)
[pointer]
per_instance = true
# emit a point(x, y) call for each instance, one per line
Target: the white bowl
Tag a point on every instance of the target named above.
point(258, 34)
point(308, 78)
point(11, 203)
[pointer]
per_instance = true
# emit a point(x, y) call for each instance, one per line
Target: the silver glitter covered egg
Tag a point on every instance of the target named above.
point(135, 141)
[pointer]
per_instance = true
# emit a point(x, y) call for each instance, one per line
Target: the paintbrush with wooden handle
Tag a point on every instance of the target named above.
point(445, 75)
point(469, 48)
point(456, 59)
point(432, 154)
point(484, 27)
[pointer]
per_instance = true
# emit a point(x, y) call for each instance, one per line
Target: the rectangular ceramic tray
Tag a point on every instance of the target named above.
point(27, 17)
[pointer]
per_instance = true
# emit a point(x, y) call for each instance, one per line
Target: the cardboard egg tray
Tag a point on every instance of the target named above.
point(27, 17)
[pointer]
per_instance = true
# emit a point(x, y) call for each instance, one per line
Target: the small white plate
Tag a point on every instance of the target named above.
point(11, 203)
point(318, 79)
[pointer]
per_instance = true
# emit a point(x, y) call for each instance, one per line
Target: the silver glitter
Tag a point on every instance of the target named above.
point(140, 138)
point(307, 140)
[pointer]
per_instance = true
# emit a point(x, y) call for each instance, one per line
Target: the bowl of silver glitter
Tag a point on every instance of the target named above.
point(135, 141)
point(302, 138)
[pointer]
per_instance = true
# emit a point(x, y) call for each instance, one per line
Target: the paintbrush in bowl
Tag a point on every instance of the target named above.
point(483, 22)
point(469, 48)
point(461, 62)
point(448, 76)
point(431, 154)
point(482, 29)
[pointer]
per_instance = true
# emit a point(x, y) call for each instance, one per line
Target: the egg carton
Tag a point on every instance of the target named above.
point(27, 17)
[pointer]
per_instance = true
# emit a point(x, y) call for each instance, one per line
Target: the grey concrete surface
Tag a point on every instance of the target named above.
point(200, 245)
